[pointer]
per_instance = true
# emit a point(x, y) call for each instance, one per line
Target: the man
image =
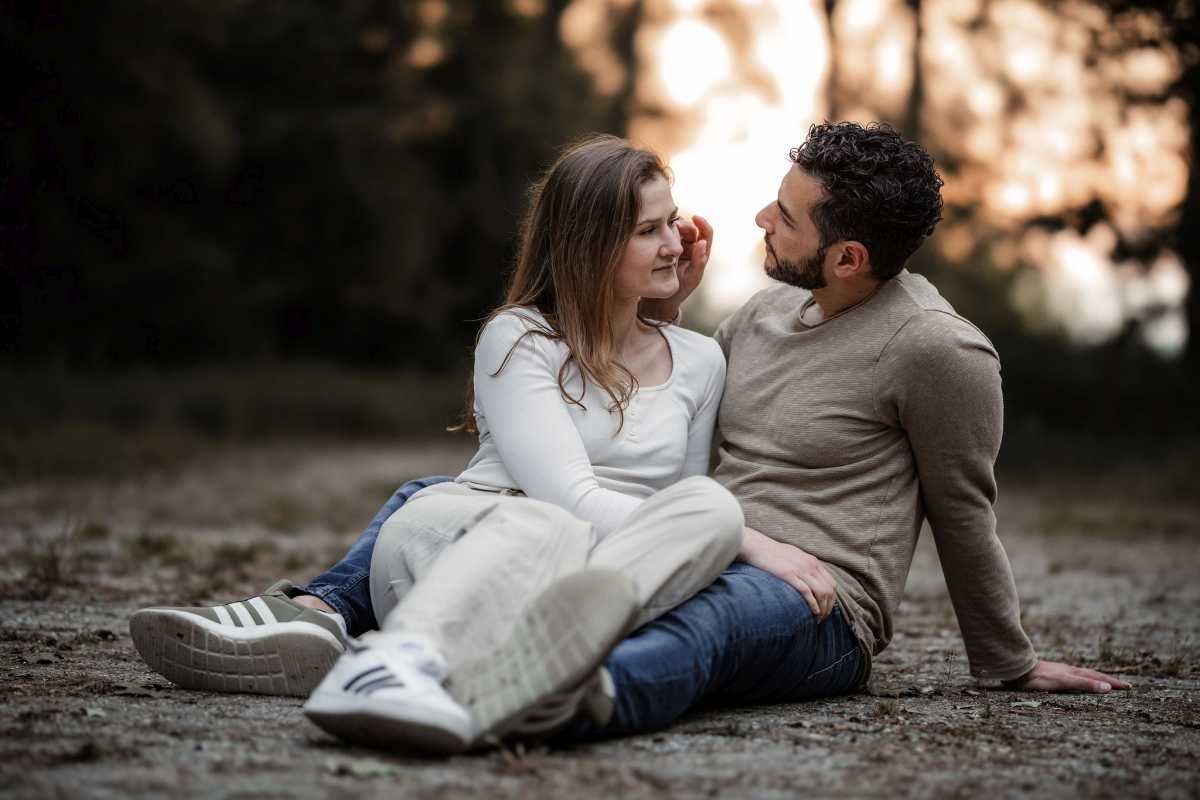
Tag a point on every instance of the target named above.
point(857, 404)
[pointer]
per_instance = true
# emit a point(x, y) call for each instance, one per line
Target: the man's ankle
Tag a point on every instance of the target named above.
point(314, 602)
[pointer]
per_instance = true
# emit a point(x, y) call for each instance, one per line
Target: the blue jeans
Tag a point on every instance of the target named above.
point(748, 638)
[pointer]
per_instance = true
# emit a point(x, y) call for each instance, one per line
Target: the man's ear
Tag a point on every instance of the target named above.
point(852, 260)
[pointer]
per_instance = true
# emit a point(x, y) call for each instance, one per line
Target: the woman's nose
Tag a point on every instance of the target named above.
point(674, 243)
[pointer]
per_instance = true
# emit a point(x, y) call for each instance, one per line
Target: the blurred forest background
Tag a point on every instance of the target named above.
point(241, 220)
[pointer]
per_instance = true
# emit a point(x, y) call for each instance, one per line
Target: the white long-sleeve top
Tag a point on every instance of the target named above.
point(531, 439)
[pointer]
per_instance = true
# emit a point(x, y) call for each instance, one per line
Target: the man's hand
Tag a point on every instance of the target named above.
point(1052, 676)
point(697, 246)
point(791, 564)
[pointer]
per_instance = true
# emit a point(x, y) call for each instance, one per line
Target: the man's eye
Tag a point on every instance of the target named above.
point(675, 220)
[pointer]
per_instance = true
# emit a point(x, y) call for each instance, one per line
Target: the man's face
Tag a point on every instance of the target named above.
point(794, 252)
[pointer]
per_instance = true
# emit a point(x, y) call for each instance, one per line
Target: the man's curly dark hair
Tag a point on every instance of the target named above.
point(880, 190)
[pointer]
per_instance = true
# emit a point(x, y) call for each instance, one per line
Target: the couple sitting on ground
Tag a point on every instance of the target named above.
point(583, 577)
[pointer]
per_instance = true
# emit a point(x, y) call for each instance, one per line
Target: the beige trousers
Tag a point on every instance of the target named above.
point(458, 564)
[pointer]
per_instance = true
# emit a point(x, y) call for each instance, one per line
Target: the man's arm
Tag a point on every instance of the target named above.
point(939, 380)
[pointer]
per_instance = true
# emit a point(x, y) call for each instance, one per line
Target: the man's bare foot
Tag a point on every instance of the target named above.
point(309, 601)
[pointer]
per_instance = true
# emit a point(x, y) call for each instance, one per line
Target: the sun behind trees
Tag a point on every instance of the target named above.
point(255, 184)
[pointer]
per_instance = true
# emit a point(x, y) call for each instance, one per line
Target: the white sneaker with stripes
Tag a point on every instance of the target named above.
point(387, 691)
point(267, 644)
point(392, 690)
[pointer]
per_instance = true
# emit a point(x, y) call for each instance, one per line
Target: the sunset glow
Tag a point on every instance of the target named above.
point(695, 59)
point(746, 104)
point(1032, 120)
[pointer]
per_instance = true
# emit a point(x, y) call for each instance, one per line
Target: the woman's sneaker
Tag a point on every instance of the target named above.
point(268, 644)
point(389, 691)
point(595, 700)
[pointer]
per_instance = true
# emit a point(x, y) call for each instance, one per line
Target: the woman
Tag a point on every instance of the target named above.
point(585, 512)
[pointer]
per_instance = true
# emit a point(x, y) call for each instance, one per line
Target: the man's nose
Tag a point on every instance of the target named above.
point(763, 219)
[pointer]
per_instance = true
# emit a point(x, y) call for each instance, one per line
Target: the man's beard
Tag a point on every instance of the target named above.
point(805, 274)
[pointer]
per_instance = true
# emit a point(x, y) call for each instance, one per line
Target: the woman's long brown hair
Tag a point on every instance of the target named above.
point(581, 216)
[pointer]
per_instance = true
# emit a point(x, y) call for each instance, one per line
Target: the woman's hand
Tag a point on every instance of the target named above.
point(697, 246)
point(794, 566)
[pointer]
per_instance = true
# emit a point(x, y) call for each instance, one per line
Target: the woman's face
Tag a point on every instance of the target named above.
point(647, 267)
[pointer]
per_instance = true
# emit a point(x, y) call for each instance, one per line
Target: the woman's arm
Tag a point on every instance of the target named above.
point(537, 440)
point(704, 421)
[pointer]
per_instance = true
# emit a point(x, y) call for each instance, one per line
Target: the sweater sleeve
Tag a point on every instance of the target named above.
point(704, 421)
point(724, 334)
point(939, 380)
point(538, 442)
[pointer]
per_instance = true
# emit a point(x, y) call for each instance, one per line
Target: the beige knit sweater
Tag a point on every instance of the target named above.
point(840, 438)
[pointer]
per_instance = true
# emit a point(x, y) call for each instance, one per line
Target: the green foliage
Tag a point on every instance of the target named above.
point(246, 180)
point(260, 182)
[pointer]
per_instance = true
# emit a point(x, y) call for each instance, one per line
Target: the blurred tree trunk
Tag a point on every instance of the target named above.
point(1183, 21)
point(831, 83)
point(910, 126)
point(623, 36)
point(1182, 30)
point(1189, 222)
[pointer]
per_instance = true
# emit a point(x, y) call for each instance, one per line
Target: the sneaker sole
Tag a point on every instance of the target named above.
point(560, 641)
point(288, 658)
point(357, 720)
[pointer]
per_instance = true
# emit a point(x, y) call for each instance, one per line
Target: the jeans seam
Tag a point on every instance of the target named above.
point(834, 665)
point(335, 594)
point(323, 590)
point(354, 582)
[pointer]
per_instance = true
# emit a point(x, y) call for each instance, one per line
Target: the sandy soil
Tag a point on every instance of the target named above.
point(1104, 584)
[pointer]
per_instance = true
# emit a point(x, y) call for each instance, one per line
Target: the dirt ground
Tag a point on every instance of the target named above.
point(1105, 583)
